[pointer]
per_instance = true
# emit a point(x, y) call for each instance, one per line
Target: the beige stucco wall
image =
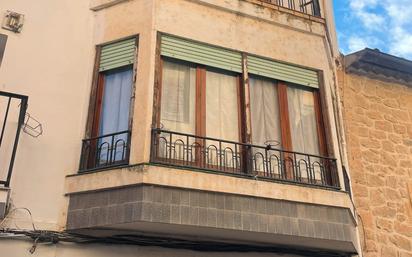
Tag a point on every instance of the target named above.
point(378, 118)
point(52, 61)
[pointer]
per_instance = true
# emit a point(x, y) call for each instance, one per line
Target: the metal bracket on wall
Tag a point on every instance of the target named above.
point(31, 126)
point(13, 21)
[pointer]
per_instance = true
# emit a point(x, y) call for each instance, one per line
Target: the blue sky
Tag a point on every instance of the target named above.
point(382, 24)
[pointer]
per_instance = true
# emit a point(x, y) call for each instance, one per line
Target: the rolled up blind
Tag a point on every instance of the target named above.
point(281, 71)
point(199, 53)
point(118, 54)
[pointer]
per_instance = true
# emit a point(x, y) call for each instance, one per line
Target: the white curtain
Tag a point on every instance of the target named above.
point(304, 129)
point(303, 121)
point(178, 111)
point(264, 106)
point(115, 114)
point(222, 117)
point(178, 97)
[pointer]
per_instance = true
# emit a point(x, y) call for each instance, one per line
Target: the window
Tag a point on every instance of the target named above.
point(222, 105)
point(265, 114)
point(302, 116)
point(109, 112)
point(217, 116)
point(200, 101)
point(112, 115)
point(179, 95)
point(201, 115)
point(286, 116)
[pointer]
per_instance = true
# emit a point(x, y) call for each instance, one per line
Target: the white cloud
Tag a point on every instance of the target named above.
point(401, 44)
point(371, 20)
point(356, 43)
point(361, 4)
point(399, 11)
point(387, 24)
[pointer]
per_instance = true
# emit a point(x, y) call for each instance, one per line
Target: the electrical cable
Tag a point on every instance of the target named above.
point(15, 209)
point(54, 237)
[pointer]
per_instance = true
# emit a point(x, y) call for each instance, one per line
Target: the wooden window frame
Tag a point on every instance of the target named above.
point(97, 91)
point(200, 105)
point(200, 100)
point(244, 110)
point(96, 99)
point(284, 120)
point(243, 96)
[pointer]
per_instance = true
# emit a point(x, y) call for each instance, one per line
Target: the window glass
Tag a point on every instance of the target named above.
point(3, 40)
point(114, 117)
point(116, 102)
point(178, 97)
point(302, 117)
point(264, 106)
point(222, 117)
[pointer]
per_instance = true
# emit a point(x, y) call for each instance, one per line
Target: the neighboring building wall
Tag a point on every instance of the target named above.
point(378, 118)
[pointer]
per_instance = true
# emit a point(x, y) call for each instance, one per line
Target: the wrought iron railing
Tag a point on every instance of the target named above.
point(310, 7)
point(105, 151)
point(346, 181)
point(14, 108)
point(184, 150)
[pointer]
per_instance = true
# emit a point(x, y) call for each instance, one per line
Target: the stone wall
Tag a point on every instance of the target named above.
point(378, 120)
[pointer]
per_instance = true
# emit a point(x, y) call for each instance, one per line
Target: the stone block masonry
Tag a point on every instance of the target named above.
point(378, 120)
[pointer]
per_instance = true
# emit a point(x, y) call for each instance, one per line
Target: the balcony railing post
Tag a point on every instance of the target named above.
point(22, 114)
point(316, 8)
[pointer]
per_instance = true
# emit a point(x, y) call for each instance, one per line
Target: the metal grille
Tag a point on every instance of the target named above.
point(184, 150)
point(105, 151)
point(310, 7)
point(13, 108)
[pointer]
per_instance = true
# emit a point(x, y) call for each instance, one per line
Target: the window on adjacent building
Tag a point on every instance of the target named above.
point(3, 40)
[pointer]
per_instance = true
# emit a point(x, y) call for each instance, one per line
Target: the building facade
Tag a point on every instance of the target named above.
point(377, 100)
point(175, 128)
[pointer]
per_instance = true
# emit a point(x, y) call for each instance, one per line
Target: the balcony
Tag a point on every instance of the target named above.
point(107, 151)
point(310, 7)
point(232, 201)
point(227, 157)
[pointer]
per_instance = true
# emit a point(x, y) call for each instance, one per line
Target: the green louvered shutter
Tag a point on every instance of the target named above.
point(281, 71)
point(199, 53)
point(117, 54)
